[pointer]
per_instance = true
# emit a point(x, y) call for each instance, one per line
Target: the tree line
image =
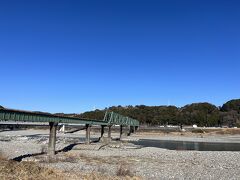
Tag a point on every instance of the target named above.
point(201, 114)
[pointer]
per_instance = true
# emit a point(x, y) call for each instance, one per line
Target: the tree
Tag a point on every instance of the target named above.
point(232, 105)
point(202, 114)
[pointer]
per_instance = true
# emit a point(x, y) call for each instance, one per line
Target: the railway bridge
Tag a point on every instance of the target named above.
point(54, 121)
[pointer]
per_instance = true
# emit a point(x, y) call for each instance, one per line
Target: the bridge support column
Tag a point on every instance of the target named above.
point(52, 138)
point(109, 132)
point(121, 131)
point(105, 139)
point(62, 128)
point(102, 130)
point(88, 130)
point(131, 130)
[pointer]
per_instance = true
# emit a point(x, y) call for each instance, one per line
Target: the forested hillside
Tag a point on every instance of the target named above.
point(202, 114)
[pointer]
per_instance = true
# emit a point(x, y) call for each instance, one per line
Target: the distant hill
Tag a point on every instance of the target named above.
point(233, 105)
point(202, 114)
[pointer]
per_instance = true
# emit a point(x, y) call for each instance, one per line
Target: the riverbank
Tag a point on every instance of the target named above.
point(123, 160)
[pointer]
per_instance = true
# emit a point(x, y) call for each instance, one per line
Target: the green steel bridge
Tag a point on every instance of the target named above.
point(109, 120)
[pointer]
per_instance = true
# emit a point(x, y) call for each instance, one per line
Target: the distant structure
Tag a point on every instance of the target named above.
point(109, 120)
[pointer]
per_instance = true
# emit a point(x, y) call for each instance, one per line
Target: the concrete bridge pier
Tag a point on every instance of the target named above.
point(108, 138)
point(62, 128)
point(88, 130)
point(121, 131)
point(110, 132)
point(52, 138)
point(102, 131)
point(131, 130)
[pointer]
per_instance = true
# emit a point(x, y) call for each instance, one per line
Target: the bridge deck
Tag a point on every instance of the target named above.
point(29, 116)
point(110, 118)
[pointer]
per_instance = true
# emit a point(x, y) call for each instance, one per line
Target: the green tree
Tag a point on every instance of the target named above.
point(232, 105)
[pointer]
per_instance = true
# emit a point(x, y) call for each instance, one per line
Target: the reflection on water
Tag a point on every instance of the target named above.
point(187, 145)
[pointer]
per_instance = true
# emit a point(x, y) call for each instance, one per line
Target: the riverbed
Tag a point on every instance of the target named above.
point(142, 161)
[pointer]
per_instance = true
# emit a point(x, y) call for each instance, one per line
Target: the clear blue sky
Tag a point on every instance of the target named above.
point(72, 56)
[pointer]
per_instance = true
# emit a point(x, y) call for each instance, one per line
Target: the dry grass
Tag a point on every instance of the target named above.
point(227, 131)
point(12, 170)
point(198, 131)
point(124, 170)
point(95, 176)
point(206, 131)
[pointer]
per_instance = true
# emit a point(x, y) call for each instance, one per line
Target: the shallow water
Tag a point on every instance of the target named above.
point(188, 145)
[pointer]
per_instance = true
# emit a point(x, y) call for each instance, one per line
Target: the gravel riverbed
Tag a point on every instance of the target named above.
point(147, 163)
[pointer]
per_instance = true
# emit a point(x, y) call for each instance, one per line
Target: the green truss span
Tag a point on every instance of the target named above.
point(114, 118)
point(110, 118)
